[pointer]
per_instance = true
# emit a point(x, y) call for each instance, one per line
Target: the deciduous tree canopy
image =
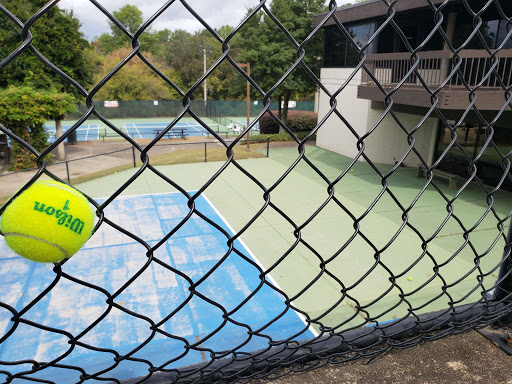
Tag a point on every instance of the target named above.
point(56, 35)
point(35, 91)
point(271, 53)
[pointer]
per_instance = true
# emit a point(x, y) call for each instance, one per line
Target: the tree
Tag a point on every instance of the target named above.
point(135, 81)
point(131, 17)
point(23, 110)
point(57, 36)
point(184, 53)
point(262, 43)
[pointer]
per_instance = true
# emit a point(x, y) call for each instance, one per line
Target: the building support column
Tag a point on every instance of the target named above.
point(450, 31)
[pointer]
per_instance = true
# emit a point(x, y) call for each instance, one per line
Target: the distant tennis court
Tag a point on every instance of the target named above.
point(84, 133)
point(256, 126)
point(107, 262)
point(180, 130)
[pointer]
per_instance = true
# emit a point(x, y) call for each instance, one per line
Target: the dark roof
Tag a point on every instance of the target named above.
point(371, 9)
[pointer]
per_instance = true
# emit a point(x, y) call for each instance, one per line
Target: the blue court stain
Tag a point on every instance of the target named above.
point(108, 261)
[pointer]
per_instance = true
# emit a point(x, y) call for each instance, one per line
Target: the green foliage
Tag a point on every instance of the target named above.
point(276, 137)
point(56, 35)
point(298, 121)
point(24, 110)
point(259, 42)
point(135, 81)
point(131, 17)
point(262, 43)
point(183, 52)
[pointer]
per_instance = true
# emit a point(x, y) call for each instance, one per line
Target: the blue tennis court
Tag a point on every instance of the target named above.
point(107, 261)
point(180, 130)
point(84, 133)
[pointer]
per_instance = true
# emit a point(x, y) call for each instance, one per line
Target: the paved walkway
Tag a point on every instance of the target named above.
point(461, 359)
point(99, 156)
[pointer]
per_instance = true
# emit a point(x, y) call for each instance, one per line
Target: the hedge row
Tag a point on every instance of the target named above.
point(280, 137)
point(298, 121)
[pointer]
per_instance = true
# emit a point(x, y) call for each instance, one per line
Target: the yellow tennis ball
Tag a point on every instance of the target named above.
point(48, 222)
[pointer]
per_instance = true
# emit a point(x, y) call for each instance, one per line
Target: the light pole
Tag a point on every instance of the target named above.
point(205, 50)
point(204, 71)
point(248, 66)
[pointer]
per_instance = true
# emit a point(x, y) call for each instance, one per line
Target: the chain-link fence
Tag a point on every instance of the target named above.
point(170, 108)
point(354, 287)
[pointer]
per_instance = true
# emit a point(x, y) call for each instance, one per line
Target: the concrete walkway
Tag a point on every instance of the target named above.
point(461, 359)
point(85, 158)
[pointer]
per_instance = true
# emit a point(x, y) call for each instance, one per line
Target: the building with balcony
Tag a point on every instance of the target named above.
point(407, 82)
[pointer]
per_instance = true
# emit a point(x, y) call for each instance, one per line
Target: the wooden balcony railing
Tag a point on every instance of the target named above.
point(435, 66)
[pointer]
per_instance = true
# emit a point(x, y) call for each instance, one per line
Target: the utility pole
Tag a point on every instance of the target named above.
point(248, 66)
point(204, 66)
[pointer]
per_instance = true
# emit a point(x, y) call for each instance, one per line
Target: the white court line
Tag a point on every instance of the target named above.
point(87, 132)
point(253, 256)
point(189, 125)
point(97, 127)
point(132, 127)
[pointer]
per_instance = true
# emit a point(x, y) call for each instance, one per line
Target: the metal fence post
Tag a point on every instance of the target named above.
point(205, 152)
point(133, 155)
point(67, 171)
point(504, 288)
point(268, 145)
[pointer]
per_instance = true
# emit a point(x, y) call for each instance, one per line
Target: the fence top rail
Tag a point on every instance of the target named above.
point(130, 148)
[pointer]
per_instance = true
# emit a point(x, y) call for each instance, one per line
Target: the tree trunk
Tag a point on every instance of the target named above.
point(279, 98)
point(284, 118)
point(280, 114)
point(61, 151)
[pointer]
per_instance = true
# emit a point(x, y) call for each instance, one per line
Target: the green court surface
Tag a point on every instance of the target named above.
point(303, 191)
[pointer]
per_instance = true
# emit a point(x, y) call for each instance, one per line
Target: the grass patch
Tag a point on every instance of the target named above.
point(213, 154)
point(105, 172)
point(178, 157)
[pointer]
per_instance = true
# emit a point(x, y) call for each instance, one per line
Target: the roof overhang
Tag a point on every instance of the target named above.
point(371, 9)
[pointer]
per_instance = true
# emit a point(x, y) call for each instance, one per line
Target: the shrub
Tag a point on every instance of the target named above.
point(298, 121)
point(23, 110)
point(274, 137)
point(268, 125)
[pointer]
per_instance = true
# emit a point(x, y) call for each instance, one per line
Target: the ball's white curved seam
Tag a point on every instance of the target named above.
point(38, 239)
point(69, 189)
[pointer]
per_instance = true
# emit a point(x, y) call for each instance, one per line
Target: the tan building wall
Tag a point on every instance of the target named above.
point(387, 143)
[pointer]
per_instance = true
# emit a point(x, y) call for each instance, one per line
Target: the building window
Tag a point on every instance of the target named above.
point(502, 35)
point(340, 52)
point(494, 32)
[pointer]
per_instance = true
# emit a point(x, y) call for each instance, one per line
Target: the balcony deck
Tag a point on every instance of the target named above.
point(439, 74)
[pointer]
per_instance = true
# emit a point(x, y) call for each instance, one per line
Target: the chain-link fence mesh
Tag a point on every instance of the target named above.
point(171, 108)
point(451, 297)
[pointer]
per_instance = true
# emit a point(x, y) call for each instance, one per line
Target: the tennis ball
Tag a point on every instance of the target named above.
point(48, 222)
point(410, 278)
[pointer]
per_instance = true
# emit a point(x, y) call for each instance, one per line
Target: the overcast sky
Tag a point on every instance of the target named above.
point(215, 12)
